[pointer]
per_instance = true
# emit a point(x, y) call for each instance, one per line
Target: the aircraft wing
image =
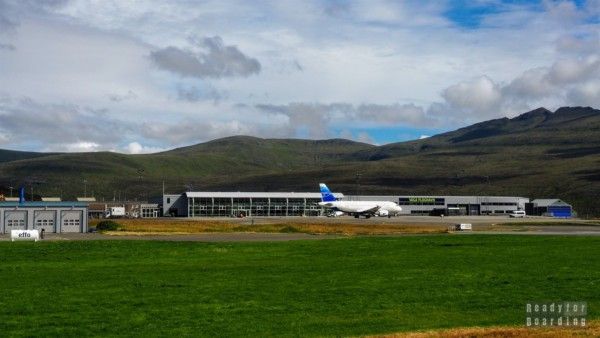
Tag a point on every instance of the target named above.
point(369, 210)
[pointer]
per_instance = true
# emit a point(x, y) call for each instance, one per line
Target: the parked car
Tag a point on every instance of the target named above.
point(517, 214)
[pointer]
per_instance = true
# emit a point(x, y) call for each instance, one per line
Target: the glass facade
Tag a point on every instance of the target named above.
point(240, 207)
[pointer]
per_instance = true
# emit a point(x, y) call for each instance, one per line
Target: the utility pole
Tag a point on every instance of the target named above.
point(140, 173)
point(85, 187)
point(11, 189)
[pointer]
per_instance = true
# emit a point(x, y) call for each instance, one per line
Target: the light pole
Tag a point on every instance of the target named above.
point(358, 175)
point(11, 189)
point(85, 187)
point(140, 173)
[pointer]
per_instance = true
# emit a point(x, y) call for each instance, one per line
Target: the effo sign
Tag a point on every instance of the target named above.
point(24, 235)
point(463, 227)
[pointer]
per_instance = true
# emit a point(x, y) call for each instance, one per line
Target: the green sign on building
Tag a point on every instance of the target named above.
point(421, 200)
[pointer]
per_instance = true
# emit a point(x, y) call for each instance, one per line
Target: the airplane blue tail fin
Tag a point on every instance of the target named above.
point(326, 194)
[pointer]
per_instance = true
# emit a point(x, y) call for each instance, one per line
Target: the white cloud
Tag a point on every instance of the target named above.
point(192, 131)
point(566, 82)
point(479, 95)
point(58, 126)
point(4, 138)
point(365, 138)
point(81, 147)
point(318, 119)
point(89, 66)
point(586, 94)
point(137, 148)
point(213, 60)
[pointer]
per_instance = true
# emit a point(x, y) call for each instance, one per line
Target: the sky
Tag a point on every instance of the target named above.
point(146, 76)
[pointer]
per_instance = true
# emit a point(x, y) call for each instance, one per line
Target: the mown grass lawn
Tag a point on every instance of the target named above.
point(348, 286)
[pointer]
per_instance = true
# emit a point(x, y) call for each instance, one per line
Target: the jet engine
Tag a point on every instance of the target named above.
point(382, 213)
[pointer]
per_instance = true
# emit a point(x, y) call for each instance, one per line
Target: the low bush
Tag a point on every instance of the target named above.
point(289, 229)
point(108, 226)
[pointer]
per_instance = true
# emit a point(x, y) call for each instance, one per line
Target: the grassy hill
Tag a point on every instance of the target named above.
point(537, 154)
point(14, 155)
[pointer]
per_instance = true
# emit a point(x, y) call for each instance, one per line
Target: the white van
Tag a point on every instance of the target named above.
point(517, 214)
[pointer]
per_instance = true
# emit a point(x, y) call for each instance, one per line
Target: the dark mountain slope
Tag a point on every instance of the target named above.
point(13, 155)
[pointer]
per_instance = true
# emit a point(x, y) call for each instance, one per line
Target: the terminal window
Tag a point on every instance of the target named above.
point(498, 203)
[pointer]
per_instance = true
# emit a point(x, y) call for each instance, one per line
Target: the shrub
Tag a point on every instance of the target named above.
point(289, 229)
point(108, 226)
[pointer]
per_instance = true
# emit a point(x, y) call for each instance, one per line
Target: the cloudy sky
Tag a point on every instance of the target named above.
point(142, 76)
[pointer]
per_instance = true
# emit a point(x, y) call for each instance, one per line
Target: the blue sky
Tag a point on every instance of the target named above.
point(469, 15)
point(145, 76)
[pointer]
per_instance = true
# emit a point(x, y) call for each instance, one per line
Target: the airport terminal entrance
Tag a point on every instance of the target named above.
point(240, 212)
point(474, 209)
point(277, 206)
point(463, 209)
point(438, 212)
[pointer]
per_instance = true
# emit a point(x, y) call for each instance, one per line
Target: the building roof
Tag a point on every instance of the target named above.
point(238, 194)
point(435, 196)
point(546, 202)
point(51, 199)
point(38, 204)
point(86, 199)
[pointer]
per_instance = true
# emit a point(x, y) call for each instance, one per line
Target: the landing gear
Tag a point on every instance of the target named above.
point(367, 216)
point(356, 215)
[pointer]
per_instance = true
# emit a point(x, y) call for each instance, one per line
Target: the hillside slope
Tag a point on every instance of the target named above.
point(537, 154)
point(14, 155)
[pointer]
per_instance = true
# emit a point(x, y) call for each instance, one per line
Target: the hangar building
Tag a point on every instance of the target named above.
point(52, 216)
point(550, 207)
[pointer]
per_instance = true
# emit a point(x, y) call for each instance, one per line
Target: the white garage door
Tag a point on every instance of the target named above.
point(15, 220)
point(71, 221)
point(44, 219)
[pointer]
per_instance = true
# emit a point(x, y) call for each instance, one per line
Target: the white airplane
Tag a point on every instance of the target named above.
point(357, 208)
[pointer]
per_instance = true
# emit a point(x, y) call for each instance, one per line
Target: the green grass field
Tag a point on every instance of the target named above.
point(351, 286)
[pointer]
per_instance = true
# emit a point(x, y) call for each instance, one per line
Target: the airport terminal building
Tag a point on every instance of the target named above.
point(224, 204)
point(451, 205)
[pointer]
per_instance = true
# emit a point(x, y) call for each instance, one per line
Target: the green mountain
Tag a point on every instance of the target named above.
point(14, 155)
point(537, 154)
